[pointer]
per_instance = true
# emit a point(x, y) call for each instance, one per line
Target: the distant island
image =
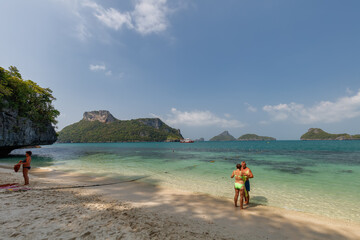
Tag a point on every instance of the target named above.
point(102, 126)
point(254, 137)
point(319, 134)
point(224, 136)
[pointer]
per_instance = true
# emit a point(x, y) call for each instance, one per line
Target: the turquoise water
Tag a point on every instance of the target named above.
point(319, 177)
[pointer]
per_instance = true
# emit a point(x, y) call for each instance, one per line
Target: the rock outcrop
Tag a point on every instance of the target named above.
point(101, 116)
point(152, 122)
point(17, 132)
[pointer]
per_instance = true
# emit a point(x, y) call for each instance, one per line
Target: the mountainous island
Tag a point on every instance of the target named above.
point(102, 126)
point(26, 112)
point(319, 134)
point(254, 137)
point(224, 136)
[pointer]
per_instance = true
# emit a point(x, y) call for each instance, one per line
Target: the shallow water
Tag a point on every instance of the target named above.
point(320, 177)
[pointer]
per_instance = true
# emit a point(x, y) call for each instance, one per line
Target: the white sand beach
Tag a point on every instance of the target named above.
point(135, 210)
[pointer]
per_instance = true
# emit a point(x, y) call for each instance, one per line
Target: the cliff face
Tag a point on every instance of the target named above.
point(152, 122)
point(101, 116)
point(17, 132)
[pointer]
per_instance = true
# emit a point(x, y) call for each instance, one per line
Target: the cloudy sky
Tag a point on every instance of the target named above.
point(268, 67)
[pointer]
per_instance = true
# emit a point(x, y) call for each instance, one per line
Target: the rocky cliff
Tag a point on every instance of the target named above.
point(17, 132)
point(101, 116)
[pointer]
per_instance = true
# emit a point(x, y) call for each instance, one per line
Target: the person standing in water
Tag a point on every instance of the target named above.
point(26, 166)
point(248, 174)
point(239, 185)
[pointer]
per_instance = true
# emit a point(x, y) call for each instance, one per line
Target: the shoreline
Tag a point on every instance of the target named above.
point(190, 215)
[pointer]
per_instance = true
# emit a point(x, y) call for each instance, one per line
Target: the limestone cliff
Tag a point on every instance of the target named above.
point(101, 116)
point(17, 132)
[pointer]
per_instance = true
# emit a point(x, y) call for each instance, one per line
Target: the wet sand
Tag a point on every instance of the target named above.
point(136, 210)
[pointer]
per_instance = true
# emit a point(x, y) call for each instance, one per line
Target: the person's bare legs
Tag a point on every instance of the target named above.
point(236, 196)
point(26, 176)
point(242, 198)
point(247, 198)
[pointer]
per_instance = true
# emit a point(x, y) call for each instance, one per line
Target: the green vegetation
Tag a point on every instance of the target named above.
point(118, 131)
point(319, 134)
point(224, 136)
point(26, 97)
point(254, 137)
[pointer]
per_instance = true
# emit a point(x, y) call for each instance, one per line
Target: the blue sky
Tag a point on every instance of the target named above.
point(273, 68)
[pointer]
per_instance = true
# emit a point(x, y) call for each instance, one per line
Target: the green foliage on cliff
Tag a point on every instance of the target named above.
point(319, 134)
point(25, 96)
point(117, 131)
point(254, 137)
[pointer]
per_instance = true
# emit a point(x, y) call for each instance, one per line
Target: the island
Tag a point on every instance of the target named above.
point(254, 137)
point(319, 134)
point(102, 126)
point(27, 116)
point(224, 136)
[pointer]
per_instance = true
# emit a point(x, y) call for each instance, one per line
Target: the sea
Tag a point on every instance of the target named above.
point(319, 177)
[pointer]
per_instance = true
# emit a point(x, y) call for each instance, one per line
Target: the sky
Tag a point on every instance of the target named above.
point(273, 68)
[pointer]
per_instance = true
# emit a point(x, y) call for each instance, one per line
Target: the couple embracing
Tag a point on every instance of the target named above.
point(242, 184)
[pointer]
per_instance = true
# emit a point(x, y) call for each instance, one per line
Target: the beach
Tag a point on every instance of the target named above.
point(136, 210)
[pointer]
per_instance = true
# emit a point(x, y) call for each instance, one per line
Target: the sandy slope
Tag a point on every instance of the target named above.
point(139, 211)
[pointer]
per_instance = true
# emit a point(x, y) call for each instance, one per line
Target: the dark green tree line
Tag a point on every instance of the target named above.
point(25, 96)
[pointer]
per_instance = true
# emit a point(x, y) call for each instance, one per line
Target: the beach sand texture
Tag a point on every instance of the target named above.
point(139, 211)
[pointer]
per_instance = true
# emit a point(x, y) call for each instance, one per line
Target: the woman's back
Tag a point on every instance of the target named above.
point(238, 176)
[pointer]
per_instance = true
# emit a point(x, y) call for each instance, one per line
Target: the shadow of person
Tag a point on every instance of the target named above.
point(257, 201)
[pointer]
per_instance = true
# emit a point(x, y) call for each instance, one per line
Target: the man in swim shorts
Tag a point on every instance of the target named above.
point(246, 172)
point(26, 166)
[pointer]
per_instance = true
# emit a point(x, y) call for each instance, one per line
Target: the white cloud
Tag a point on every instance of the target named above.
point(200, 118)
point(111, 17)
point(96, 68)
point(325, 111)
point(148, 16)
point(251, 108)
point(108, 73)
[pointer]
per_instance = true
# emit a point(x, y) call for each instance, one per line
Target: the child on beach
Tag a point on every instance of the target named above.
point(26, 166)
